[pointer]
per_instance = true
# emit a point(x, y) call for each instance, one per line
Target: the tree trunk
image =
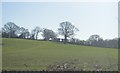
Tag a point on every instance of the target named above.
point(36, 36)
point(65, 40)
point(9, 35)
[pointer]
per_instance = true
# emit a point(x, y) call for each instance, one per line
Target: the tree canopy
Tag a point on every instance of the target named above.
point(67, 29)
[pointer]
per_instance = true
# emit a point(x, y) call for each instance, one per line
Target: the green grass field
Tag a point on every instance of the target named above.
point(21, 54)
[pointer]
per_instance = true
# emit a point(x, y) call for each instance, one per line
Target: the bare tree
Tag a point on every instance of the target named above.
point(95, 40)
point(67, 29)
point(10, 28)
point(23, 33)
point(94, 37)
point(32, 35)
point(27, 34)
point(47, 34)
point(35, 32)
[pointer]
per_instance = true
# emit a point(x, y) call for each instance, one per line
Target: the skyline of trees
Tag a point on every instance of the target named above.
point(11, 30)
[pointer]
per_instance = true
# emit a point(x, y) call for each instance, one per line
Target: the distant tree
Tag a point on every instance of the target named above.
point(27, 34)
point(24, 33)
point(93, 40)
point(49, 34)
point(4, 33)
point(74, 41)
point(94, 37)
point(67, 29)
point(100, 42)
point(35, 32)
point(32, 34)
point(111, 43)
point(96, 40)
point(9, 29)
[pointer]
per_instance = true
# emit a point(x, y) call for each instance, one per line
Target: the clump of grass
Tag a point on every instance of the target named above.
point(71, 66)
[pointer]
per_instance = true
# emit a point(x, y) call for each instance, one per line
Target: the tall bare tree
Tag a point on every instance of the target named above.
point(95, 40)
point(67, 29)
point(10, 28)
point(47, 34)
point(35, 32)
point(23, 32)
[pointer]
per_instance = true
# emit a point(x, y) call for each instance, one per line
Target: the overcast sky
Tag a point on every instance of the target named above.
point(89, 17)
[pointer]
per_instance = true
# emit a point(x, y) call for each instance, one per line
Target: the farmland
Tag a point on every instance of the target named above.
point(23, 54)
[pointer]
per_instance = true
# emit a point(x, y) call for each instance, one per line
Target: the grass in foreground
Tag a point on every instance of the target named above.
point(21, 54)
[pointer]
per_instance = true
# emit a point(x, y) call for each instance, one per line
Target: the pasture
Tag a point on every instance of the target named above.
point(21, 54)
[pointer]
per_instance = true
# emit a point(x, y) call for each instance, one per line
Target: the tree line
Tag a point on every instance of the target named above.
point(66, 29)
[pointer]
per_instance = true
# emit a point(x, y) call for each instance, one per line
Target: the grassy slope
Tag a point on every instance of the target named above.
point(37, 55)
